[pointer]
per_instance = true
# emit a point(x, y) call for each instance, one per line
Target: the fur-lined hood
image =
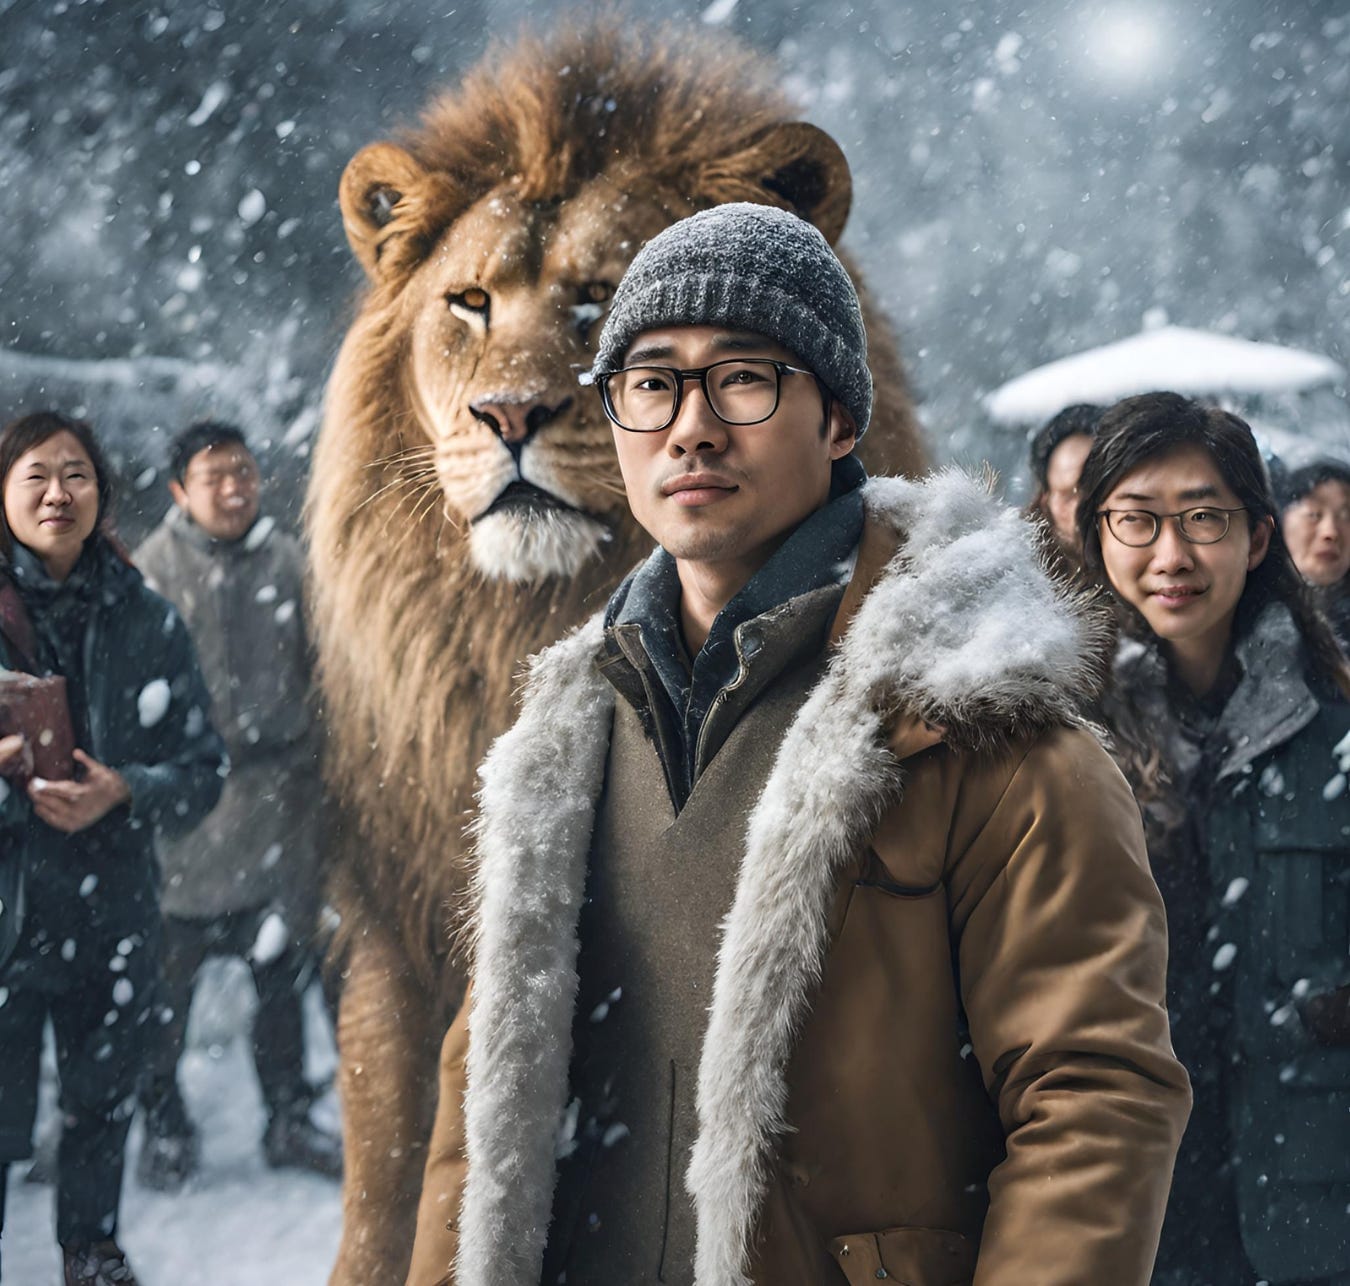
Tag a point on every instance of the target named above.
point(963, 627)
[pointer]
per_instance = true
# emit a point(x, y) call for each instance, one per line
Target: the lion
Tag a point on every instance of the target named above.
point(465, 506)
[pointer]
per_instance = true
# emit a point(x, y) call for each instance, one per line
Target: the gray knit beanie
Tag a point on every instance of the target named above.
point(751, 267)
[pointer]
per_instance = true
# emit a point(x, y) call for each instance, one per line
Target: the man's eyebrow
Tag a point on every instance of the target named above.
point(733, 341)
point(647, 353)
point(1205, 492)
point(739, 340)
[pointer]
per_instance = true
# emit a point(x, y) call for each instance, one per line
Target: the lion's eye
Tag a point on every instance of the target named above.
point(592, 296)
point(474, 300)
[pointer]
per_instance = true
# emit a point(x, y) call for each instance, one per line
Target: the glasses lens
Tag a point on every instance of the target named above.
point(743, 392)
point(1133, 526)
point(642, 398)
point(1204, 526)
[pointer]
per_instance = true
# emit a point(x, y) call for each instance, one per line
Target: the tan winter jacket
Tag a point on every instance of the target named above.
point(937, 1051)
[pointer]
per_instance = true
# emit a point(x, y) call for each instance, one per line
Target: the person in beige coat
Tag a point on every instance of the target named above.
point(245, 882)
point(814, 939)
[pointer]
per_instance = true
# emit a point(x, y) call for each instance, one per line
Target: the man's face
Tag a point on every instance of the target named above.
point(1317, 531)
point(1187, 593)
point(711, 492)
point(1062, 472)
point(219, 490)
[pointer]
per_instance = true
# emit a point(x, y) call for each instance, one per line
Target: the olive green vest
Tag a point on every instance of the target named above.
point(659, 886)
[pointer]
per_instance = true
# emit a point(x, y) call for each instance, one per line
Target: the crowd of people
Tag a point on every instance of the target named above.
point(181, 826)
point(914, 1022)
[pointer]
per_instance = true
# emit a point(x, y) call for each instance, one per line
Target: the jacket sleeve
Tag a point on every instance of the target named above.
point(437, 1243)
point(175, 787)
point(1063, 960)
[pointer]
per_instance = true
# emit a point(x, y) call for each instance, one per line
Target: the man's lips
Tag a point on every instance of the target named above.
point(694, 489)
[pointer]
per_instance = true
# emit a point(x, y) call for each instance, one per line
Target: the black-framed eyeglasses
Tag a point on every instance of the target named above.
point(741, 390)
point(1138, 528)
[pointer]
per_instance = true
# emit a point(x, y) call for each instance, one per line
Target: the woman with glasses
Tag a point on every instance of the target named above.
point(1229, 709)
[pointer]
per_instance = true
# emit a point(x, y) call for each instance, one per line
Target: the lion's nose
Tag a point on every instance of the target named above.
point(517, 422)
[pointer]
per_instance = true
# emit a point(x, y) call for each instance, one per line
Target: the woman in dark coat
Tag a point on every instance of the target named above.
point(79, 924)
point(1229, 710)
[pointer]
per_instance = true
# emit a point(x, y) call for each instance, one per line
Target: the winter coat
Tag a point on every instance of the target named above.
point(146, 709)
point(1270, 893)
point(242, 601)
point(936, 1047)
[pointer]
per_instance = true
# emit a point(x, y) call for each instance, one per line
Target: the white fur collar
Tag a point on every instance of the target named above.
point(965, 628)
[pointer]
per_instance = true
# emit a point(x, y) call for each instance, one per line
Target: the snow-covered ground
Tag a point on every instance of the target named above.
point(238, 1223)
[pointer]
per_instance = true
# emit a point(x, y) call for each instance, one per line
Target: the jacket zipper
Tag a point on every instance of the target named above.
point(663, 752)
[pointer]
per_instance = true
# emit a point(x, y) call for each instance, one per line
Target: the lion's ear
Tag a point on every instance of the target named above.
point(388, 208)
point(793, 164)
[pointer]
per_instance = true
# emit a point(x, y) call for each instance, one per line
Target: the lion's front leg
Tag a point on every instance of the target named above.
point(387, 1073)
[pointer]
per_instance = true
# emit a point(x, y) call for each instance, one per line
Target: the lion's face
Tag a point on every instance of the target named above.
point(501, 316)
point(493, 305)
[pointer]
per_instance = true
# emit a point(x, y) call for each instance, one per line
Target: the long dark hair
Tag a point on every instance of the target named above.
point(1142, 428)
point(20, 436)
point(1078, 420)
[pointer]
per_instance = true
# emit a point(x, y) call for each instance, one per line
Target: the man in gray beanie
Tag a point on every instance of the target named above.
point(814, 938)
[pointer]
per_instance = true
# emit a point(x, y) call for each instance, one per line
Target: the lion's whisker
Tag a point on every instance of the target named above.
point(406, 480)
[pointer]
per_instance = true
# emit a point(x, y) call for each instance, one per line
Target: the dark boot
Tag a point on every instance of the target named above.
point(171, 1153)
point(99, 1263)
point(293, 1141)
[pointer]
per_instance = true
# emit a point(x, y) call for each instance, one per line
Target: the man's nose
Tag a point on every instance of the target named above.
point(1172, 551)
point(697, 427)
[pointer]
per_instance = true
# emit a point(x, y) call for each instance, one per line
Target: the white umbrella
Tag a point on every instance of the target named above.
point(1194, 362)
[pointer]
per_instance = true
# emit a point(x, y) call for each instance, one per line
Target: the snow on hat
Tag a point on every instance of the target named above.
point(751, 267)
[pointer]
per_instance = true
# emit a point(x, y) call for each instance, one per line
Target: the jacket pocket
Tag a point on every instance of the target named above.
point(907, 1256)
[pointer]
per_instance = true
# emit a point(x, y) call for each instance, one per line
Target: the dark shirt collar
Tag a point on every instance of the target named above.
point(818, 553)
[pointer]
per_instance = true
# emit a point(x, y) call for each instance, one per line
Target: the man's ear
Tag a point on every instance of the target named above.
point(180, 496)
point(843, 431)
point(794, 165)
point(1260, 546)
point(392, 209)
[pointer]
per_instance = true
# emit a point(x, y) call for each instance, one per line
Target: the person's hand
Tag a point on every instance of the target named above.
point(72, 806)
point(16, 756)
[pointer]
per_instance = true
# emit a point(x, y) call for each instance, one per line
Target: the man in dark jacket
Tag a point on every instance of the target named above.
point(244, 882)
point(750, 1005)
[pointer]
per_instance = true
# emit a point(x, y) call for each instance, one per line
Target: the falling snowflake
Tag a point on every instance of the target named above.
point(153, 702)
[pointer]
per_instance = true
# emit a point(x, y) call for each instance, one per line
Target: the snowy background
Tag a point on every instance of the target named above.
point(1032, 178)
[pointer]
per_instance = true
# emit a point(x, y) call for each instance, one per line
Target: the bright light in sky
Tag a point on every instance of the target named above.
point(1126, 43)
